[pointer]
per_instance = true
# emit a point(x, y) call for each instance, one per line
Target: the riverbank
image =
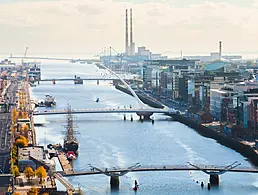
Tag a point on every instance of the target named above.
point(245, 150)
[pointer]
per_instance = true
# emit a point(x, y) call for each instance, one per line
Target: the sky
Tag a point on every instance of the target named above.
point(73, 27)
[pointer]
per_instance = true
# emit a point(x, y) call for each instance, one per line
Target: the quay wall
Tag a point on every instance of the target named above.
point(245, 150)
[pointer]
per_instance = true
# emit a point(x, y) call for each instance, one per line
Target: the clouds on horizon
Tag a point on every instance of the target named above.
point(67, 26)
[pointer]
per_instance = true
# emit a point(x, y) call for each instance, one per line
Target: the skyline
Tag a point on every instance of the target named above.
point(84, 26)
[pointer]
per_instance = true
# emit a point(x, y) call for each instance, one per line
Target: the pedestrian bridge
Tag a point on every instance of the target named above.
point(115, 172)
point(208, 169)
point(141, 111)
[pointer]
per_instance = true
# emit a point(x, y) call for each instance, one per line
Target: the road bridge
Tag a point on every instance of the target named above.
point(145, 112)
point(86, 79)
point(114, 173)
point(55, 58)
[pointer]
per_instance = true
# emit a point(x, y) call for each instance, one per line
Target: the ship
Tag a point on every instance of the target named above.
point(34, 72)
point(50, 101)
point(71, 145)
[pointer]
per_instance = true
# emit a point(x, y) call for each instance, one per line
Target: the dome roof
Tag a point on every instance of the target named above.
point(215, 66)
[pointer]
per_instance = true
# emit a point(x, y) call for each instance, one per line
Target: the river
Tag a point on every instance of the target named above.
point(106, 140)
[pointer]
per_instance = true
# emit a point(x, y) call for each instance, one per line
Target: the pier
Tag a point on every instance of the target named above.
point(66, 165)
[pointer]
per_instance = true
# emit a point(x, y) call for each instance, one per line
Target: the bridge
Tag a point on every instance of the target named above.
point(145, 112)
point(53, 58)
point(86, 79)
point(115, 172)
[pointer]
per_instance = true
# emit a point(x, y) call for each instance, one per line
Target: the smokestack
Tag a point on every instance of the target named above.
point(131, 32)
point(126, 34)
point(220, 48)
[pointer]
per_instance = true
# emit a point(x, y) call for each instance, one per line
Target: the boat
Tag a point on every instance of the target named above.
point(70, 155)
point(97, 100)
point(35, 71)
point(32, 84)
point(50, 101)
point(78, 80)
point(70, 142)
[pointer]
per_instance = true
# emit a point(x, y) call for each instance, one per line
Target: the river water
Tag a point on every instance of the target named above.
point(106, 140)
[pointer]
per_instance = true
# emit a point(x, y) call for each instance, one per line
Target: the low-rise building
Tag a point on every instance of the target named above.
point(30, 156)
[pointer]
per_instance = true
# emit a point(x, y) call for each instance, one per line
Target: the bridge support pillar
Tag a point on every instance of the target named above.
point(114, 182)
point(214, 180)
point(144, 115)
point(97, 82)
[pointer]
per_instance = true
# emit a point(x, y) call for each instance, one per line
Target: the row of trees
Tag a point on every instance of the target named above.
point(40, 172)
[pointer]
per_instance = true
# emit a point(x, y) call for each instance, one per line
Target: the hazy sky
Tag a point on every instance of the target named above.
point(166, 26)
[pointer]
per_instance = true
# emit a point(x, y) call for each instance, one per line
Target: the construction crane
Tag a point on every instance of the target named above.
point(25, 53)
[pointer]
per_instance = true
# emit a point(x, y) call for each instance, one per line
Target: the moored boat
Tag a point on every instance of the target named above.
point(50, 101)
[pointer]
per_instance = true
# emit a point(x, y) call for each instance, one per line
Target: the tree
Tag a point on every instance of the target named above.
point(20, 114)
point(41, 173)
point(33, 191)
point(14, 115)
point(24, 115)
point(12, 128)
point(45, 193)
point(21, 142)
point(26, 130)
point(29, 173)
point(15, 193)
point(15, 171)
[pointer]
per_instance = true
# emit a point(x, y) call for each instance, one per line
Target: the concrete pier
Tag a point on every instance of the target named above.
point(114, 182)
point(214, 180)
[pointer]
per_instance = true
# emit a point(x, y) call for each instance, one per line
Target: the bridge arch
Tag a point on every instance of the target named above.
point(141, 104)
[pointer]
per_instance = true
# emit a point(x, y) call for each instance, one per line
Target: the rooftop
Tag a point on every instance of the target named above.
point(215, 66)
point(35, 152)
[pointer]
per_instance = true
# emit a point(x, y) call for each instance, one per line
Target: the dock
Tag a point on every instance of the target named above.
point(65, 164)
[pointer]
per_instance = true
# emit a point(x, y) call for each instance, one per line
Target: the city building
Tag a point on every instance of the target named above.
point(218, 108)
point(213, 57)
point(173, 64)
point(147, 77)
point(34, 157)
